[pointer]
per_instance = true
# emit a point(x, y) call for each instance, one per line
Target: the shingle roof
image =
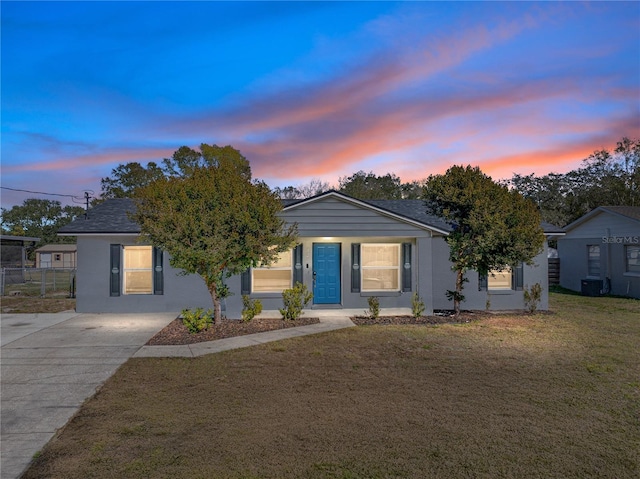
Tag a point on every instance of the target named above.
point(632, 212)
point(414, 210)
point(111, 216)
point(57, 247)
point(108, 217)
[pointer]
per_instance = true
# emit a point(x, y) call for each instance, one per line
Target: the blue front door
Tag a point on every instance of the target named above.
point(326, 273)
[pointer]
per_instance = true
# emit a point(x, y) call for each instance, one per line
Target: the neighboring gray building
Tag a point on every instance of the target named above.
point(348, 250)
point(600, 253)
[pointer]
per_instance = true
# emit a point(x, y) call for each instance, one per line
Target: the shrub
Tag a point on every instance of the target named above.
point(374, 306)
point(532, 297)
point(251, 308)
point(417, 305)
point(198, 320)
point(295, 299)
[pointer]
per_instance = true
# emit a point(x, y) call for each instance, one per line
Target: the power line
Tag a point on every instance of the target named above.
point(43, 193)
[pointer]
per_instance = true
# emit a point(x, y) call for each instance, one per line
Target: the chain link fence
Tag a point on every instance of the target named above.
point(38, 282)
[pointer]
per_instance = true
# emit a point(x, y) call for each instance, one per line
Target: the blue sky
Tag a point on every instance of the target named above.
point(313, 89)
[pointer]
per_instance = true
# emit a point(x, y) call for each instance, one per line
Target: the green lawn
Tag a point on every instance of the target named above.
point(545, 396)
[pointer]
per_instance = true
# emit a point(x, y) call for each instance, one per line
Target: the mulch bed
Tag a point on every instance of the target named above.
point(440, 317)
point(176, 333)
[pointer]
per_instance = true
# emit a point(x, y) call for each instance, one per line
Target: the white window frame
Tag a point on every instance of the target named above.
point(593, 260)
point(498, 278)
point(273, 267)
point(627, 257)
point(398, 268)
point(126, 269)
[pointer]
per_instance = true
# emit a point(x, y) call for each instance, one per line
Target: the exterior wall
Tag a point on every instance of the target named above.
point(612, 233)
point(445, 279)
point(67, 259)
point(337, 218)
point(92, 283)
point(349, 300)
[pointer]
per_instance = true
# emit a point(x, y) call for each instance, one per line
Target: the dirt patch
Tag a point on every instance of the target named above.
point(177, 333)
point(30, 304)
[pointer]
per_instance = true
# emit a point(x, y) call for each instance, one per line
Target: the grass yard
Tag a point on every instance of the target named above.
point(544, 396)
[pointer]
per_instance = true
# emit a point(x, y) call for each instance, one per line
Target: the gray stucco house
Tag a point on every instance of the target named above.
point(348, 250)
point(600, 253)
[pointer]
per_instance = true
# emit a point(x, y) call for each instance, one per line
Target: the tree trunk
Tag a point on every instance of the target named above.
point(217, 310)
point(458, 295)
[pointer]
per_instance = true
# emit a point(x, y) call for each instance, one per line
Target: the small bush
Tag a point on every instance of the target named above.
point(417, 305)
point(374, 306)
point(532, 297)
point(198, 320)
point(251, 308)
point(295, 299)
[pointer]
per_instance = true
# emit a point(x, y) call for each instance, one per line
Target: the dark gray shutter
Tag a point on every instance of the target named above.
point(483, 282)
point(158, 273)
point(406, 267)
point(297, 264)
point(114, 274)
point(245, 282)
point(517, 278)
point(355, 267)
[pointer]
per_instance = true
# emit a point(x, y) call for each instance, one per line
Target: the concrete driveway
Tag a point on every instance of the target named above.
point(51, 363)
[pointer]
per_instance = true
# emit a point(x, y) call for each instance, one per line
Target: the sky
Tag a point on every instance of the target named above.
point(312, 90)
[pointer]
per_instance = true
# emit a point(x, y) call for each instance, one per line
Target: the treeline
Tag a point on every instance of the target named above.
point(605, 178)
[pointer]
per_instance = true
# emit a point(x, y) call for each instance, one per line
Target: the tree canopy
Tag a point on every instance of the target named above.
point(368, 186)
point(39, 218)
point(493, 228)
point(126, 178)
point(211, 218)
point(605, 178)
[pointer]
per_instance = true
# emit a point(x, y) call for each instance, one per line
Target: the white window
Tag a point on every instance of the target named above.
point(45, 260)
point(593, 260)
point(380, 267)
point(499, 280)
point(138, 270)
point(632, 255)
point(274, 278)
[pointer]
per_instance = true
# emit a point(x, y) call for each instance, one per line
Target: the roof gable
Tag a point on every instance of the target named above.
point(411, 212)
point(628, 212)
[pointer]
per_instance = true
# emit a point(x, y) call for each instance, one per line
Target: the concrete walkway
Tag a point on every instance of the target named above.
point(52, 363)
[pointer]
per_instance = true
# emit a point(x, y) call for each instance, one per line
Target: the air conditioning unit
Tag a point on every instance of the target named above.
point(591, 287)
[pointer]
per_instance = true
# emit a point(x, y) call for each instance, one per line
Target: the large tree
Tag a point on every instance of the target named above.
point(126, 178)
point(212, 218)
point(39, 218)
point(493, 228)
point(368, 186)
point(605, 178)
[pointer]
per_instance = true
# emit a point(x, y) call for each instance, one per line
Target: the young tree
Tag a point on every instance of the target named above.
point(493, 228)
point(212, 219)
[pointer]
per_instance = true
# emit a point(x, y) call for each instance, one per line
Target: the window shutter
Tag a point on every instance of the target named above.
point(517, 278)
point(406, 267)
point(114, 275)
point(158, 273)
point(355, 267)
point(297, 264)
point(483, 282)
point(245, 282)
